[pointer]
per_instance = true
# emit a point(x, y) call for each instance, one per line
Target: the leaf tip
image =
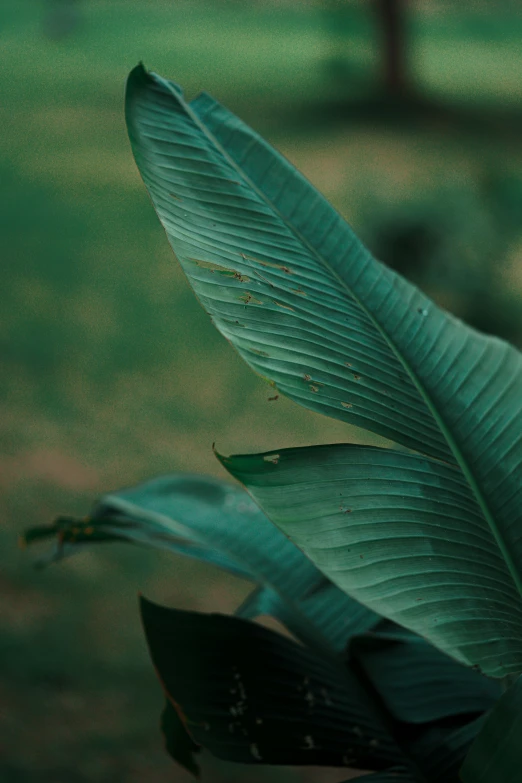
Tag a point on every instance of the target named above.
point(221, 457)
point(138, 75)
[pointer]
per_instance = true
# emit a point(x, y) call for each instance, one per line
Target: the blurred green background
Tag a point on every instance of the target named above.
point(112, 373)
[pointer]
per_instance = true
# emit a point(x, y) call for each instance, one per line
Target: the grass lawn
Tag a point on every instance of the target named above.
point(112, 373)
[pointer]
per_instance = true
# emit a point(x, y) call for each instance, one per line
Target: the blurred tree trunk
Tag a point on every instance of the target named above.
point(392, 22)
point(61, 18)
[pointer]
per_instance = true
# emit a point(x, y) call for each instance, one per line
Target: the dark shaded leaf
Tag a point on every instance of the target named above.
point(252, 696)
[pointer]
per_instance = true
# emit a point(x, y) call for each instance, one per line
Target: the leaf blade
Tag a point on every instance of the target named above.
point(389, 528)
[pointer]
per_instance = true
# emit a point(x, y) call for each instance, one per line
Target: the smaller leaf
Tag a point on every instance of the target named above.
point(496, 754)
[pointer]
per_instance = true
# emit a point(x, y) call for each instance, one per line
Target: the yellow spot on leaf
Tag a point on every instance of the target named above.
point(221, 270)
point(213, 267)
point(267, 263)
point(248, 298)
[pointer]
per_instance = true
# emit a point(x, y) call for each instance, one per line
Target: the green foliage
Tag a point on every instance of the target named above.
point(402, 573)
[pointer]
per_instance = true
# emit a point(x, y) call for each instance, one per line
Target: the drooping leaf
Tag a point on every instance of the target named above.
point(217, 522)
point(178, 742)
point(403, 535)
point(250, 695)
point(287, 282)
point(496, 754)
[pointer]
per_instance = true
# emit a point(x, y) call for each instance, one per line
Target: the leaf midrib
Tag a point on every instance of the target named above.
point(456, 451)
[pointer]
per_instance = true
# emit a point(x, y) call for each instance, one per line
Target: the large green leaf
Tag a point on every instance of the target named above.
point(496, 754)
point(250, 695)
point(287, 282)
point(217, 522)
point(402, 534)
point(234, 214)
